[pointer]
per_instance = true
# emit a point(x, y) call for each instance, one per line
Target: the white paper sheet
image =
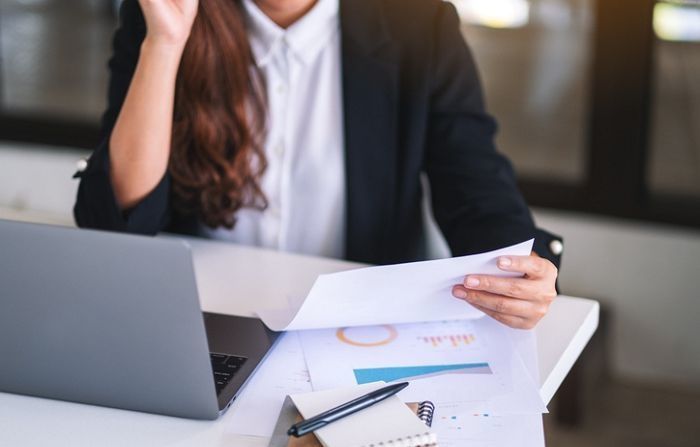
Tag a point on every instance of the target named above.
point(525, 343)
point(457, 429)
point(393, 294)
point(255, 410)
point(470, 364)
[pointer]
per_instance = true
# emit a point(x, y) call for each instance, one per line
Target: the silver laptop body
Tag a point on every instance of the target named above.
point(114, 320)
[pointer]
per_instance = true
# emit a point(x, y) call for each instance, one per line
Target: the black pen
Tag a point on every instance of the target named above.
point(346, 409)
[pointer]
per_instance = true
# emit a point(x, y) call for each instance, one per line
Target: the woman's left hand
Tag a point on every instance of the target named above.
point(516, 302)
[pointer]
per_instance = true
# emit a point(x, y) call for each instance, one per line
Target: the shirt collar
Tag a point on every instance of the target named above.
point(305, 37)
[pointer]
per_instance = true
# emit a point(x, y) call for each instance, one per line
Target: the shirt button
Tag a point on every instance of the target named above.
point(275, 212)
point(279, 149)
point(281, 89)
point(556, 247)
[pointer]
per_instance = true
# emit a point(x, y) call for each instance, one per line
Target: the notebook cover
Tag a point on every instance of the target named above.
point(289, 416)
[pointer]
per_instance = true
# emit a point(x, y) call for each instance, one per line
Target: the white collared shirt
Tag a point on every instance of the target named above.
point(305, 179)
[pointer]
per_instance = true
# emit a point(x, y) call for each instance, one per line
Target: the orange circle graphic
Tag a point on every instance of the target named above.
point(391, 336)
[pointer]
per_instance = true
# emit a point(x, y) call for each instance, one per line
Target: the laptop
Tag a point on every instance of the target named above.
point(114, 319)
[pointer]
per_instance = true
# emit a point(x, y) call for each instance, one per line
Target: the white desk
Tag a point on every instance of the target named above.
point(257, 276)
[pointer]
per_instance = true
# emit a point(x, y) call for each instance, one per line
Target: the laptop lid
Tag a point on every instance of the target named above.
point(102, 318)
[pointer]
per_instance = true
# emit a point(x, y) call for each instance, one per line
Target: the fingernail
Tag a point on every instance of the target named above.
point(472, 281)
point(504, 262)
point(459, 293)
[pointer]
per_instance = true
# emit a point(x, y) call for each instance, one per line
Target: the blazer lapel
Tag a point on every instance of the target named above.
point(370, 98)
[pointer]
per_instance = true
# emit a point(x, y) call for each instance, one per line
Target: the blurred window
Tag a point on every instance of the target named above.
point(675, 114)
point(53, 56)
point(534, 59)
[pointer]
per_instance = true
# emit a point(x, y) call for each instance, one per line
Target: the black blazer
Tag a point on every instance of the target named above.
point(412, 104)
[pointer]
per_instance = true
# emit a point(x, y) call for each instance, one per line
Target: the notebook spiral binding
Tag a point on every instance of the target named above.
point(425, 412)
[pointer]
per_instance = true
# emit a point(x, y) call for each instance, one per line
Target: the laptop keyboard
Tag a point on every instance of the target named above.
point(224, 367)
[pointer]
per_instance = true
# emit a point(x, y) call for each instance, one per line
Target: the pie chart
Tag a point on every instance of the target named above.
point(367, 336)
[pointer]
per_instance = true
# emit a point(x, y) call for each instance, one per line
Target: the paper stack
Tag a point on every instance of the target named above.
point(400, 323)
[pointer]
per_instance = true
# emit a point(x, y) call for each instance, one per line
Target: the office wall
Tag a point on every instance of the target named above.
point(35, 182)
point(644, 275)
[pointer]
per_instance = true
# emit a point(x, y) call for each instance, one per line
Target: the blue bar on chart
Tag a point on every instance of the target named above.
point(394, 373)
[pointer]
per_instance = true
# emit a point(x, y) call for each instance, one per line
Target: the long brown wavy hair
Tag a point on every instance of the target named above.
point(216, 160)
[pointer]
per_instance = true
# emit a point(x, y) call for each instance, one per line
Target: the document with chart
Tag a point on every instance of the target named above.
point(468, 364)
point(400, 323)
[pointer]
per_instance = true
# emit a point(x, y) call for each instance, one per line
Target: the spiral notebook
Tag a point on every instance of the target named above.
point(390, 423)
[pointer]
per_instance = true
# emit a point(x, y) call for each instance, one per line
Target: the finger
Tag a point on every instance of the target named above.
point(514, 287)
point(505, 305)
point(533, 266)
point(508, 320)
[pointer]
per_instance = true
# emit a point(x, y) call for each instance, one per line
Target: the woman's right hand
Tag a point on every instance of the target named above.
point(139, 146)
point(169, 21)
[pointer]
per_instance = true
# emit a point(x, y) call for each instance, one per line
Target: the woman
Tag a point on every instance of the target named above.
point(304, 125)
